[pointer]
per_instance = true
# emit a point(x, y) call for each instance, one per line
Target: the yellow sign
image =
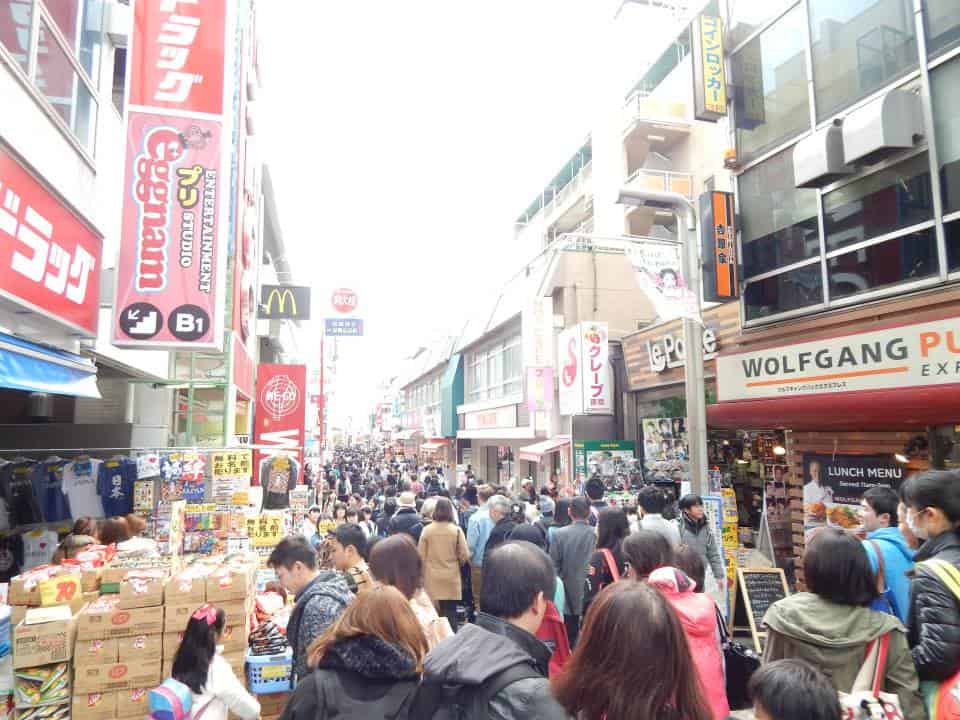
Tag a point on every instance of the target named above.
point(232, 463)
point(711, 56)
point(265, 530)
point(282, 297)
point(60, 589)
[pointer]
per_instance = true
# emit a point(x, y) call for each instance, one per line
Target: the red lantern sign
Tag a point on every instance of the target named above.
point(344, 301)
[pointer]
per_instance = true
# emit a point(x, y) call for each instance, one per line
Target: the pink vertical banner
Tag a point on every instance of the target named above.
point(539, 389)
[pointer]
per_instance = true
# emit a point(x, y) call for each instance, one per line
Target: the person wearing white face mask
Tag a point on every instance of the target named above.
point(932, 501)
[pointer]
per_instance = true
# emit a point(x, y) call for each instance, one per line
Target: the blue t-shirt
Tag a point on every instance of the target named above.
point(47, 480)
point(115, 486)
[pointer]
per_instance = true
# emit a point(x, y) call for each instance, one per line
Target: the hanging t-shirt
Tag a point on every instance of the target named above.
point(38, 548)
point(80, 486)
point(115, 486)
point(11, 557)
point(279, 476)
point(148, 466)
point(18, 490)
point(48, 487)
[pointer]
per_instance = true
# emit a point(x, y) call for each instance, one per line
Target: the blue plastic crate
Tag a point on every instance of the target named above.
point(270, 673)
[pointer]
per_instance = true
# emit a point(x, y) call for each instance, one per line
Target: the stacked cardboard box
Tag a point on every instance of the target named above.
point(42, 648)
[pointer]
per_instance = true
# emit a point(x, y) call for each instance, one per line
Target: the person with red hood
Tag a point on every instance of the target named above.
point(698, 615)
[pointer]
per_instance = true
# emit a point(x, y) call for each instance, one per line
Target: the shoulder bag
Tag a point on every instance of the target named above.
point(866, 701)
point(886, 601)
point(740, 662)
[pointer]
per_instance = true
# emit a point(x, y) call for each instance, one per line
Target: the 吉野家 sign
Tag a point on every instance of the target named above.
point(172, 261)
point(343, 327)
point(718, 242)
point(49, 259)
point(897, 357)
point(709, 83)
point(284, 302)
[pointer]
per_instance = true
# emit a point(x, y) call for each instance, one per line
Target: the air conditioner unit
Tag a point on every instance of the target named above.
point(818, 160)
point(886, 126)
point(117, 22)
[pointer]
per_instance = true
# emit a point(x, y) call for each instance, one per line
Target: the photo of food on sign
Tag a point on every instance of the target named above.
point(833, 486)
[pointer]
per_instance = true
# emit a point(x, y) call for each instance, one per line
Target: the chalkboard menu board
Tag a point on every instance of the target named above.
point(759, 588)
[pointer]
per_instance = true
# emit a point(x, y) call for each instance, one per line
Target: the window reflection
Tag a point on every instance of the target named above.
point(781, 293)
point(903, 259)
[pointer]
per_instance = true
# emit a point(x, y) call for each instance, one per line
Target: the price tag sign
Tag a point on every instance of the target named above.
point(274, 672)
point(60, 589)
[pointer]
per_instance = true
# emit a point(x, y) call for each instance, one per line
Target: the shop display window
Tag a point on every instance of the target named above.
point(771, 99)
point(858, 47)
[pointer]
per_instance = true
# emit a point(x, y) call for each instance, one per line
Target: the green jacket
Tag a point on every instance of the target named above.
point(833, 638)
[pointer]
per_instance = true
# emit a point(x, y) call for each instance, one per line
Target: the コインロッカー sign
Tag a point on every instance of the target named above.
point(906, 356)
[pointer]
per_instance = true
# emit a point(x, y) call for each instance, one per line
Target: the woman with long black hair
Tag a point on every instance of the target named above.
point(198, 665)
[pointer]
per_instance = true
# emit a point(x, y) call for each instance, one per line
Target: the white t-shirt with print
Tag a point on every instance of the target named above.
point(38, 548)
point(80, 487)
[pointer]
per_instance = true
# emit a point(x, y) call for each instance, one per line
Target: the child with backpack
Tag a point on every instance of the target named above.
point(213, 688)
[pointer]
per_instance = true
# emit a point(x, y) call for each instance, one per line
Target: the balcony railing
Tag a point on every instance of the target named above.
point(640, 107)
point(663, 180)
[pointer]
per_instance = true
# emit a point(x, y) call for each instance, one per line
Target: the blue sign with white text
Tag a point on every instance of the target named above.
point(343, 327)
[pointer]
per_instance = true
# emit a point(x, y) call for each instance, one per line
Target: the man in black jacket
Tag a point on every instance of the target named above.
point(496, 669)
point(501, 513)
point(407, 519)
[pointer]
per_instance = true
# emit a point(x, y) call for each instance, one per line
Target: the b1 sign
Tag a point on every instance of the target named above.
point(49, 259)
point(585, 379)
point(170, 274)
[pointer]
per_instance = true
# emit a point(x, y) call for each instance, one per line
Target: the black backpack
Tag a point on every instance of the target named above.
point(458, 702)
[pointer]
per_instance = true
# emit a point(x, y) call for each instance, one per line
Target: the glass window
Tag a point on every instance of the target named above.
point(15, 18)
point(858, 47)
point(771, 99)
point(952, 231)
point(792, 290)
point(748, 15)
point(944, 82)
point(779, 221)
point(890, 199)
point(63, 88)
point(903, 259)
point(941, 18)
point(80, 22)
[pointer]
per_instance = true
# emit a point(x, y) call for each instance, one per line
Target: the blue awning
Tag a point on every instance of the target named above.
point(27, 366)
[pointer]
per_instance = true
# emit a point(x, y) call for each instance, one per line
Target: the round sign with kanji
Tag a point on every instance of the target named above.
point(344, 300)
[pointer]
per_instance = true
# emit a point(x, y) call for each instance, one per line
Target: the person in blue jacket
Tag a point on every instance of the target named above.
point(878, 511)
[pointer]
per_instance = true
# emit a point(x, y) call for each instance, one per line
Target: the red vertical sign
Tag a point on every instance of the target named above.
point(279, 420)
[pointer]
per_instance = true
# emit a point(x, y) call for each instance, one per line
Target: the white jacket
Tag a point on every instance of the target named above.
point(224, 692)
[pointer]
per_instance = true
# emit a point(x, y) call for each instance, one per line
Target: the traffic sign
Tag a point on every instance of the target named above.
point(344, 301)
point(343, 327)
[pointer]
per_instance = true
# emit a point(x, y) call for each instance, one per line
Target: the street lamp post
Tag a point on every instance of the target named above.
point(694, 385)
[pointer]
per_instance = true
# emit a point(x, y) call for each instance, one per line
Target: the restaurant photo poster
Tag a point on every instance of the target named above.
point(834, 484)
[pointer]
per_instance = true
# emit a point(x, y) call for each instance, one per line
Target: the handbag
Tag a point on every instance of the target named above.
point(943, 699)
point(886, 601)
point(740, 662)
point(866, 701)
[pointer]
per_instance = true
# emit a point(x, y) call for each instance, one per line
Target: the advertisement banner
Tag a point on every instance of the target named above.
point(666, 451)
point(167, 280)
point(657, 265)
point(539, 389)
point(610, 459)
point(897, 357)
point(49, 259)
point(597, 378)
point(569, 353)
point(279, 421)
point(834, 484)
point(177, 55)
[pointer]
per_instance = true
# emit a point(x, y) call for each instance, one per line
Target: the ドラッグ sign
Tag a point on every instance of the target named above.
point(896, 357)
point(49, 259)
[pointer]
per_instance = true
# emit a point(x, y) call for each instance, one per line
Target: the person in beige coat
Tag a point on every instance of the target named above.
point(443, 548)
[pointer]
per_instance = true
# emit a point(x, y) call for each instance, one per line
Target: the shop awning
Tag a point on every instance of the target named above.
point(35, 368)
point(434, 445)
point(535, 452)
point(896, 409)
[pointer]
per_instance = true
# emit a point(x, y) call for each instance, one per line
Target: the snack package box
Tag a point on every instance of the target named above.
point(134, 703)
point(105, 619)
point(94, 706)
point(235, 638)
point(135, 648)
point(226, 584)
point(117, 676)
point(177, 616)
point(188, 586)
point(44, 636)
point(90, 580)
point(95, 652)
point(141, 590)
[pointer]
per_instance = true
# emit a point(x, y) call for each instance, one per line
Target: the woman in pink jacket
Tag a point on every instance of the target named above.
point(698, 615)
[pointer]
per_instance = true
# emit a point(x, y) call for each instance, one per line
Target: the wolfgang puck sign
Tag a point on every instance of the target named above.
point(896, 357)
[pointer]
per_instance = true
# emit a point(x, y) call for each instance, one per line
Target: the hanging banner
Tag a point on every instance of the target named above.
point(539, 389)
point(586, 382)
point(170, 273)
point(657, 265)
point(709, 83)
point(279, 421)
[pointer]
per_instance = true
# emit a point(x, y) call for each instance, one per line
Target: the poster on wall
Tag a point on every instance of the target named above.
point(612, 460)
point(665, 448)
point(586, 381)
point(833, 486)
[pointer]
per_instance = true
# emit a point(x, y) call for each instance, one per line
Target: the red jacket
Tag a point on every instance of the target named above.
point(553, 634)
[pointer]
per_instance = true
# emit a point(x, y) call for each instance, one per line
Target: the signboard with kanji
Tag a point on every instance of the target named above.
point(265, 529)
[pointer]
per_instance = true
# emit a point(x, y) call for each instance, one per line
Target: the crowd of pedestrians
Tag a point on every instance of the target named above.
point(508, 603)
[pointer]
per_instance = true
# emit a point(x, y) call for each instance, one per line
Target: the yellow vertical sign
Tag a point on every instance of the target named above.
point(714, 81)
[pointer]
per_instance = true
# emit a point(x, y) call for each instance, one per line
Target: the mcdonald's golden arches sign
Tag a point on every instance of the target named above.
point(284, 302)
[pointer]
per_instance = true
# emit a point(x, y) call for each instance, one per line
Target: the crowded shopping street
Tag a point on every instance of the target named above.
point(516, 360)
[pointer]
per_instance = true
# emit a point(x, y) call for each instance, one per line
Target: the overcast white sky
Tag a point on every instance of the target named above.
point(404, 138)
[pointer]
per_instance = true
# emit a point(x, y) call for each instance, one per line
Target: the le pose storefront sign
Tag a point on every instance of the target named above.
point(905, 356)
